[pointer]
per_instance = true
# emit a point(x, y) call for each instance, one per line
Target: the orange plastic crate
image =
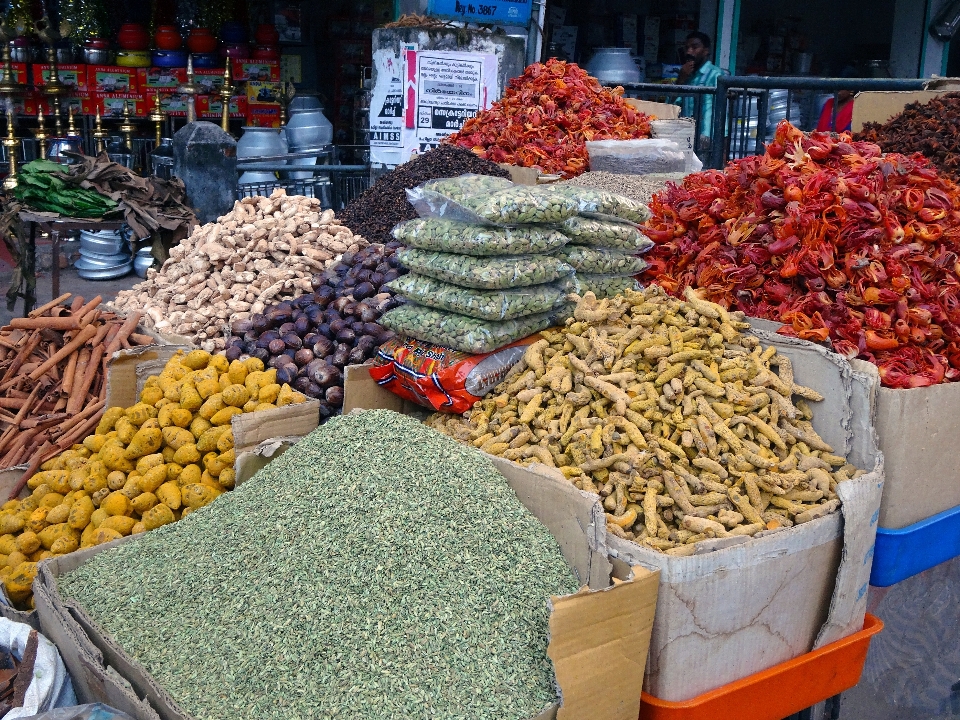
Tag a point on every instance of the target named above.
point(782, 690)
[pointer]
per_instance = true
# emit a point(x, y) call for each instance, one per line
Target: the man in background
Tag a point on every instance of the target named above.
point(699, 71)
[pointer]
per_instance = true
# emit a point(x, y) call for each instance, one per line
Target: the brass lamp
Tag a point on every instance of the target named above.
point(226, 92)
point(99, 134)
point(12, 144)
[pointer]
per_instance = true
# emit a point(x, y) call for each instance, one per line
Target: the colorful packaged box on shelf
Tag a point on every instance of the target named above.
point(263, 114)
point(35, 101)
point(268, 70)
point(112, 79)
point(110, 105)
point(259, 91)
point(210, 79)
point(19, 72)
point(160, 78)
point(210, 107)
point(73, 76)
point(174, 104)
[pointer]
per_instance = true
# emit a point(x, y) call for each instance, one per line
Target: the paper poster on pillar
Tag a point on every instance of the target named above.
point(386, 109)
point(446, 88)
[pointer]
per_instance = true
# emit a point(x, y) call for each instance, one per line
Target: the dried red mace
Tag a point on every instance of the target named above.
point(831, 237)
point(545, 118)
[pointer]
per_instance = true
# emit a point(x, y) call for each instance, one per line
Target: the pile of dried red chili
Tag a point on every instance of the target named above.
point(545, 118)
point(931, 129)
point(833, 238)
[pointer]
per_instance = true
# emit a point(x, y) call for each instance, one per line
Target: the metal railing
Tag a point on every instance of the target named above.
point(742, 109)
point(673, 94)
point(746, 109)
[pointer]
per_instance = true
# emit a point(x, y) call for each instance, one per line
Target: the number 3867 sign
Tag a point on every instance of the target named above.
point(504, 12)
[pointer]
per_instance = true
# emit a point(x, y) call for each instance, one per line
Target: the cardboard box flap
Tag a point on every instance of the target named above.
point(361, 391)
point(251, 462)
point(881, 105)
point(251, 429)
point(599, 643)
point(662, 111)
point(128, 370)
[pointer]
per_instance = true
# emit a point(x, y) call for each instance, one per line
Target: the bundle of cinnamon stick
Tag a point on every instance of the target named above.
point(53, 378)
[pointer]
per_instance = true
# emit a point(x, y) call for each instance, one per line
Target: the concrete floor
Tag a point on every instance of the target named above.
point(70, 282)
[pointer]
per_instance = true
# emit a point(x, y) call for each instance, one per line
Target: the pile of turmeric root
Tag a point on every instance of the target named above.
point(670, 413)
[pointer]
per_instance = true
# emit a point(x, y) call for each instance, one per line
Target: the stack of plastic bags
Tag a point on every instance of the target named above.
point(490, 263)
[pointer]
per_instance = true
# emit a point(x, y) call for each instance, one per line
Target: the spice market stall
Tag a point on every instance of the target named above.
point(715, 485)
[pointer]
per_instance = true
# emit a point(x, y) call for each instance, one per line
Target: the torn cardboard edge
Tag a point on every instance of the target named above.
point(607, 623)
point(916, 432)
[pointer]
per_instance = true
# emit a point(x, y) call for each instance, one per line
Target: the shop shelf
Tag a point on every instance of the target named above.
point(780, 691)
point(899, 554)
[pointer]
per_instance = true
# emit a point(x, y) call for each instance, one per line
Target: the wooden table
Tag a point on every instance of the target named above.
point(53, 225)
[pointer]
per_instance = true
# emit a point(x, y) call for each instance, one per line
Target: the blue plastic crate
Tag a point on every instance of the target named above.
point(900, 554)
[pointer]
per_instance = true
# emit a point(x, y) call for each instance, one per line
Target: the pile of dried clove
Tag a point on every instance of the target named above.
point(931, 129)
point(384, 205)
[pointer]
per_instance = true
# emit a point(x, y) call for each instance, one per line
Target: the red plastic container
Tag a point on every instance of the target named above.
point(782, 690)
point(168, 37)
point(133, 36)
point(201, 40)
point(267, 34)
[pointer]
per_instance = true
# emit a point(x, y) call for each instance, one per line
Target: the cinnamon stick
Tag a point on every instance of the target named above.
point(37, 312)
point(129, 325)
point(66, 322)
point(25, 352)
point(67, 382)
point(80, 390)
point(81, 339)
point(142, 339)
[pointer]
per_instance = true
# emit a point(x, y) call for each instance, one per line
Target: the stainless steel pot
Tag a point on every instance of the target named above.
point(88, 273)
point(96, 56)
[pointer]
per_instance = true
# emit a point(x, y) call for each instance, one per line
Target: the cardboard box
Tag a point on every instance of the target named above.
point(112, 79)
point(19, 72)
point(267, 70)
point(175, 104)
point(746, 604)
point(111, 105)
point(156, 78)
point(916, 432)
point(881, 106)
point(521, 175)
point(210, 79)
point(73, 76)
point(598, 636)
point(263, 114)
point(211, 107)
point(663, 111)
point(262, 92)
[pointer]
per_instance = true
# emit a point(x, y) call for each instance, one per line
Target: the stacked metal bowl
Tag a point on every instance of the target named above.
point(143, 261)
point(104, 255)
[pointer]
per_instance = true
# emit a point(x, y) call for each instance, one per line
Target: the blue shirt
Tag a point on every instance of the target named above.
point(706, 76)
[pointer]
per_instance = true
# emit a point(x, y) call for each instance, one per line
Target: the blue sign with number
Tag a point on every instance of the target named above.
point(499, 12)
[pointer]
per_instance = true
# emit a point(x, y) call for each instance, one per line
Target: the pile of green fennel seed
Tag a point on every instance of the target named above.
point(377, 569)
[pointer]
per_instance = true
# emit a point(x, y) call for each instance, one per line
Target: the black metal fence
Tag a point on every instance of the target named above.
point(675, 95)
point(746, 109)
